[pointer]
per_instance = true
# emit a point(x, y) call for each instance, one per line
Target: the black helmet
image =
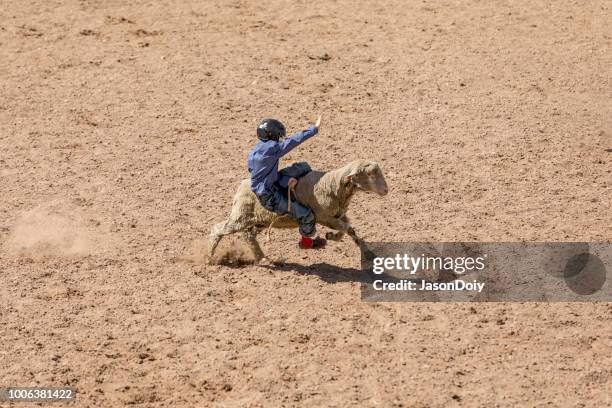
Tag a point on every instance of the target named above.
point(270, 129)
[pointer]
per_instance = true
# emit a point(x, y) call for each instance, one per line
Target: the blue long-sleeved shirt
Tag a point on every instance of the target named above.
point(263, 160)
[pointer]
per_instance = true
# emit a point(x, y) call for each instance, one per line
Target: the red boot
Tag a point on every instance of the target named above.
point(306, 242)
point(309, 243)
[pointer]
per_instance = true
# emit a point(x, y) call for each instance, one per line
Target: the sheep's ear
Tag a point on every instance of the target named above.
point(349, 177)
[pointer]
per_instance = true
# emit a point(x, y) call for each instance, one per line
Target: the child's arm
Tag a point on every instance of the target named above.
point(295, 140)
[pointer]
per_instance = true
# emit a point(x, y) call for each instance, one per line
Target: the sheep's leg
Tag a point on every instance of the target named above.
point(219, 231)
point(334, 236)
point(338, 224)
point(337, 236)
point(342, 226)
point(351, 233)
point(251, 237)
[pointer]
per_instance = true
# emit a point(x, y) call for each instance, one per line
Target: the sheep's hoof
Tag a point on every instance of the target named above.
point(262, 261)
point(333, 236)
point(268, 261)
point(319, 243)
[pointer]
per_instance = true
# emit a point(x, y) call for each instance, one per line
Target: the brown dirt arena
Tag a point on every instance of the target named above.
point(124, 132)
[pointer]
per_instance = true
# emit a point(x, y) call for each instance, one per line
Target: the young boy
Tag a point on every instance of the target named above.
point(268, 183)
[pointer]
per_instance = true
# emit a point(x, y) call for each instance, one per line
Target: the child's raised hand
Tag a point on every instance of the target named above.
point(318, 122)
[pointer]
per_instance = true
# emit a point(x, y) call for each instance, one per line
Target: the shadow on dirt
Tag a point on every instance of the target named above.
point(326, 272)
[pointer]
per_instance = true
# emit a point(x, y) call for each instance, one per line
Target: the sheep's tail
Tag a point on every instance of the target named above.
point(270, 230)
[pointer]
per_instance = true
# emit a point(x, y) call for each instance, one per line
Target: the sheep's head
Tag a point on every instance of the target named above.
point(367, 176)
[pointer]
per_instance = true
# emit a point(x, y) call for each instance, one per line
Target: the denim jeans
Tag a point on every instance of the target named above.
point(276, 202)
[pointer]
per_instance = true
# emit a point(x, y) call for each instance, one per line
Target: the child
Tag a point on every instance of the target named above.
point(268, 183)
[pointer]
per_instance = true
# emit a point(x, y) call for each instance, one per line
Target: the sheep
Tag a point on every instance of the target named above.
point(328, 194)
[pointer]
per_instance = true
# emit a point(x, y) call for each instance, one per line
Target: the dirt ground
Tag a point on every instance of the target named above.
point(125, 128)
